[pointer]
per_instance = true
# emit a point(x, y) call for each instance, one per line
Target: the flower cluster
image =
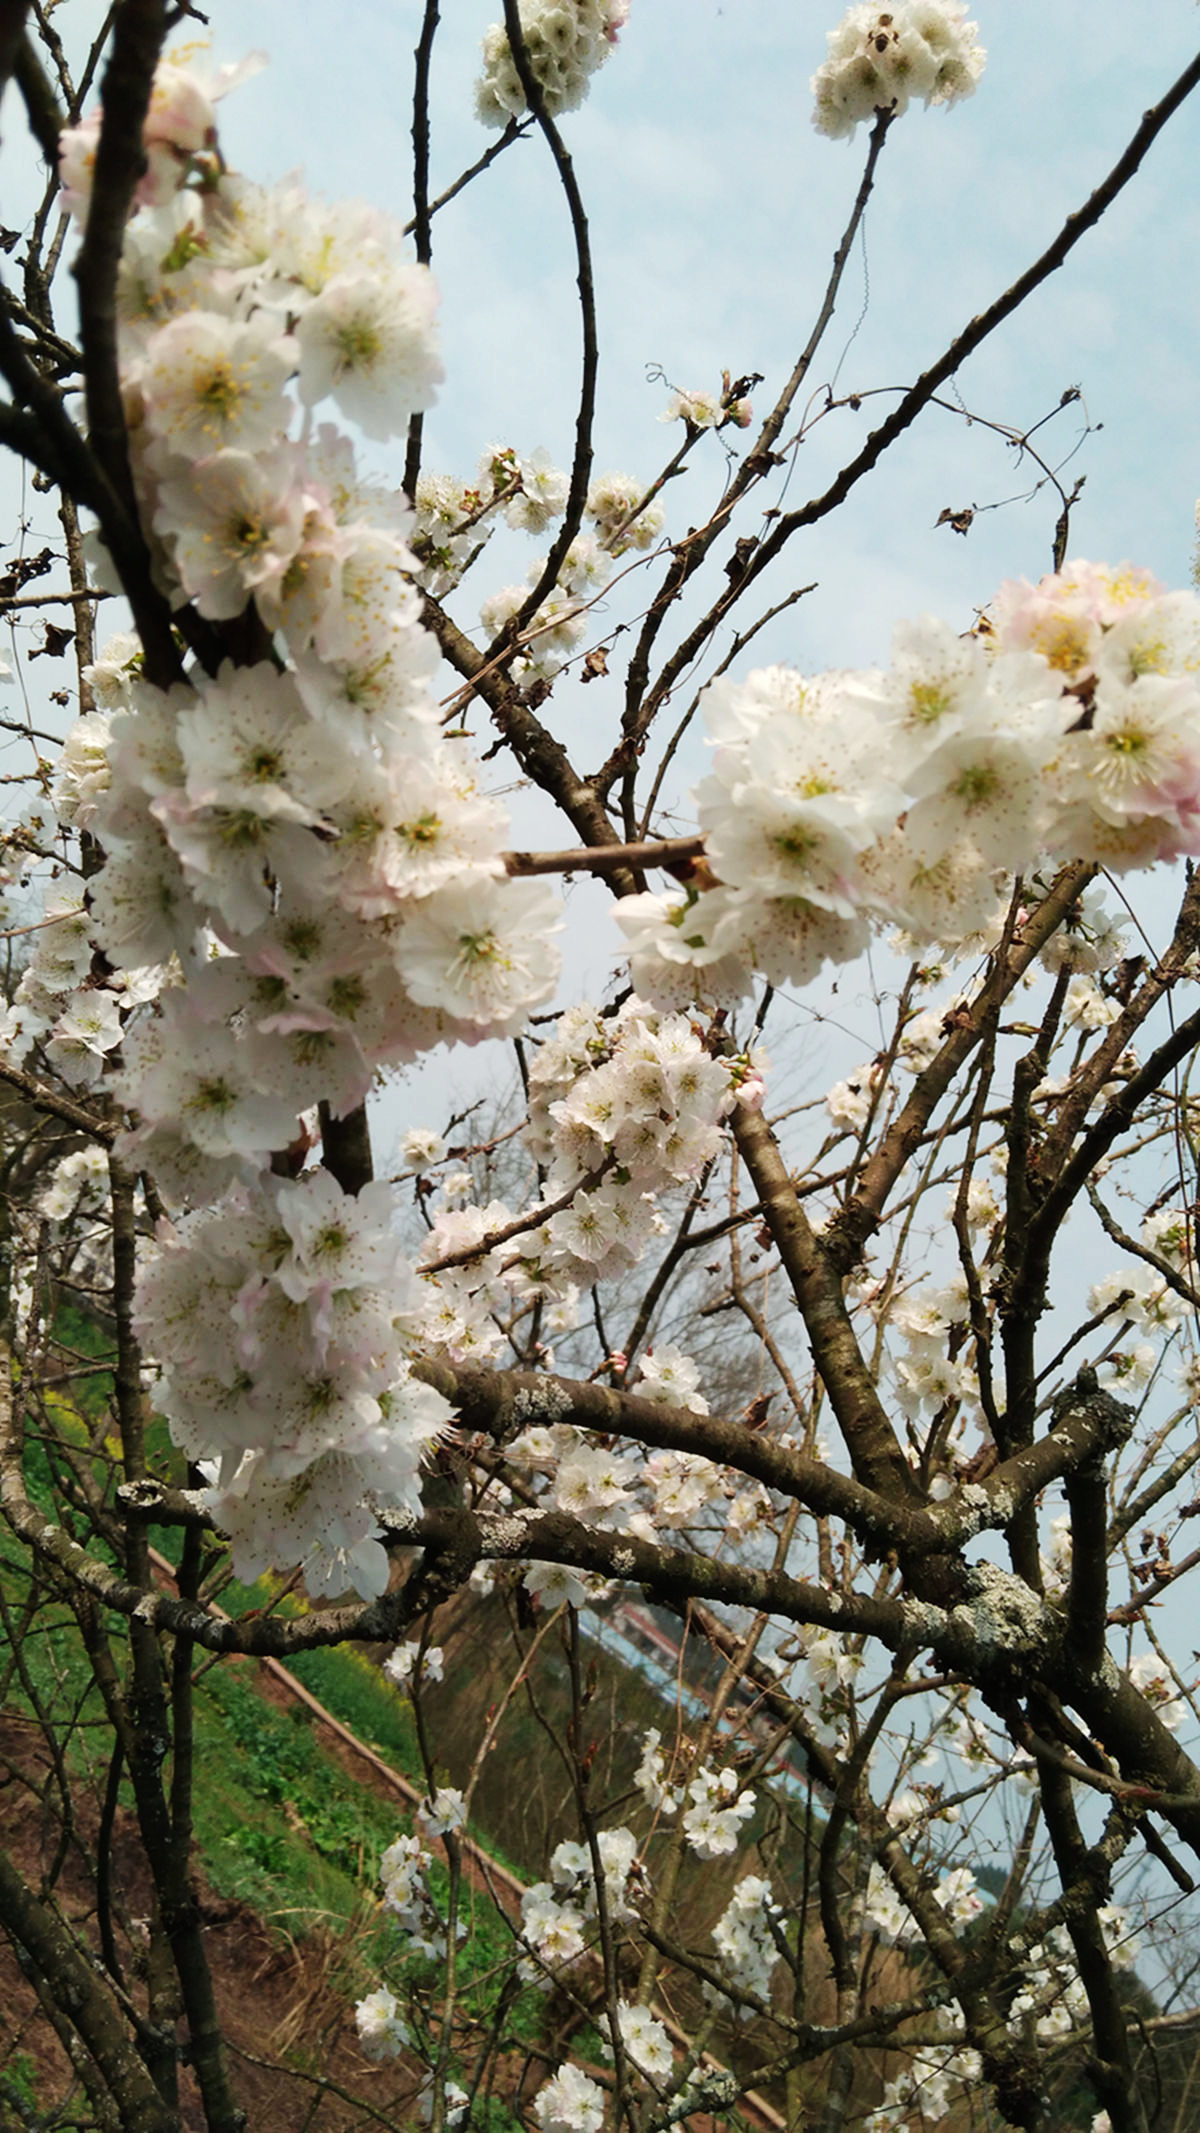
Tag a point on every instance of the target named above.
point(179, 134)
point(712, 1823)
point(555, 1914)
point(643, 2039)
point(303, 809)
point(744, 1940)
point(454, 522)
point(925, 2091)
point(703, 410)
point(1068, 728)
point(275, 1319)
point(408, 1663)
point(1154, 1680)
point(381, 2032)
point(636, 1092)
point(1051, 2001)
point(613, 502)
point(888, 1915)
point(571, 2103)
point(302, 881)
point(73, 1013)
point(622, 1108)
point(404, 1872)
point(715, 1809)
point(879, 60)
point(566, 41)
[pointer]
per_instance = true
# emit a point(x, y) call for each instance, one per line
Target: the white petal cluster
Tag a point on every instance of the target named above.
point(404, 1872)
point(635, 1493)
point(178, 135)
point(72, 1011)
point(622, 1108)
point(884, 1911)
point(401, 1666)
point(650, 1777)
point(636, 1090)
point(81, 772)
point(79, 1182)
point(879, 60)
point(572, 1872)
point(298, 865)
point(958, 1896)
point(1158, 1685)
point(682, 1485)
point(704, 410)
point(381, 2033)
point(612, 506)
point(1068, 728)
point(834, 1664)
point(444, 1813)
point(111, 676)
point(712, 1823)
point(275, 1322)
point(925, 2091)
point(1051, 2001)
point(644, 2039)
point(556, 1915)
point(571, 2103)
point(553, 1928)
point(566, 41)
point(454, 521)
point(669, 1376)
point(743, 1936)
point(558, 624)
point(1140, 1294)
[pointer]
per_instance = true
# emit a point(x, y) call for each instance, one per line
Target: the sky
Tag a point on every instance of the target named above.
point(715, 209)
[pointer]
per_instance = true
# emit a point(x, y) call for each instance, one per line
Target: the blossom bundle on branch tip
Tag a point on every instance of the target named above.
point(880, 58)
point(566, 42)
point(1067, 727)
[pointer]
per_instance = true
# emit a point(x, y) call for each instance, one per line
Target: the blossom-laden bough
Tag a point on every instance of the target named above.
point(292, 875)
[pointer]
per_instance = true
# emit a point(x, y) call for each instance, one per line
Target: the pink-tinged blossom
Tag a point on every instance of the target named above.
point(1063, 618)
point(211, 383)
point(180, 123)
point(181, 1072)
point(77, 164)
point(234, 522)
point(248, 747)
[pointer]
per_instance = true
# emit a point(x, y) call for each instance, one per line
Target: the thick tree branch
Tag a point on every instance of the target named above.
point(89, 2004)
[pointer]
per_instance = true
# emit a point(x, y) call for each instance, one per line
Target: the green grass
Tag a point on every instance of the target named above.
point(18, 2082)
point(279, 1824)
point(351, 1686)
